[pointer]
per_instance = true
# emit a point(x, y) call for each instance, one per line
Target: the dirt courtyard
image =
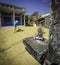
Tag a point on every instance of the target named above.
point(12, 49)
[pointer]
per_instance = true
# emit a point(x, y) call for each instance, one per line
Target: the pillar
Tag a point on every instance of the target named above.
point(21, 19)
point(13, 17)
point(24, 19)
point(0, 18)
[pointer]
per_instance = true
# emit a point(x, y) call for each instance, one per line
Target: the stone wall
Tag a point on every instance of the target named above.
point(54, 41)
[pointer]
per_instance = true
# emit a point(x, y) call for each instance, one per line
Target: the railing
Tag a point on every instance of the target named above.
point(6, 8)
point(11, 8)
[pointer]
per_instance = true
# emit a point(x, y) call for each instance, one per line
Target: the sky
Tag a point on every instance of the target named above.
point(41, 6)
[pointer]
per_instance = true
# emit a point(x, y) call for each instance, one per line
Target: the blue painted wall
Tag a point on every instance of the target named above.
point(7, 21)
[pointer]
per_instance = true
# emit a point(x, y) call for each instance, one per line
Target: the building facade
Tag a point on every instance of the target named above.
point(10, 13)
point(47, 19)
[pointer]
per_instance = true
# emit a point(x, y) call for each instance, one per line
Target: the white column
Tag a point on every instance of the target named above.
point(13, 17)
point(0, 18)
point(21, 19)
point(24, 19)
